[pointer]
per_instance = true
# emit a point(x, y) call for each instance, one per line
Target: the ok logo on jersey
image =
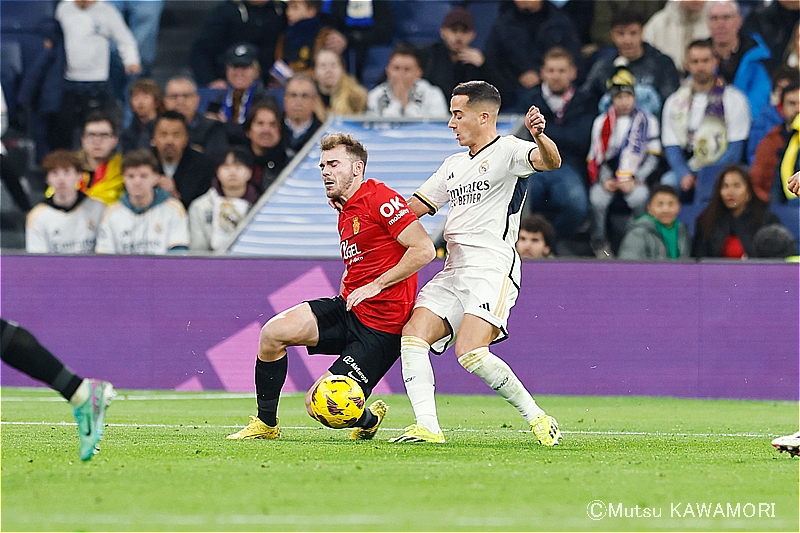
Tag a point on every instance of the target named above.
point(391, 207)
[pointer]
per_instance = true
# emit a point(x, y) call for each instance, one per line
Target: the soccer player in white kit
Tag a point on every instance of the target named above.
point(469, 301)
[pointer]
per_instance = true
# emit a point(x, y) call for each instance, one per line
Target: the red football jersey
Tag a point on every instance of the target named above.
point(368, 227)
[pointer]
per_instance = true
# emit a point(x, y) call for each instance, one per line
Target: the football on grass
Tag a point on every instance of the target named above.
point(337, 402)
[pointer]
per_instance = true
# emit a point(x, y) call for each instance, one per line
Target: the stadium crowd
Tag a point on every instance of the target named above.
point(677, 120)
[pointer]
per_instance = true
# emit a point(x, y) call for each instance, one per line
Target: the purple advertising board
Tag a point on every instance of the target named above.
point(708, 330)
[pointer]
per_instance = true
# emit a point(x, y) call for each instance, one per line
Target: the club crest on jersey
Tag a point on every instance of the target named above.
point(484, 168)
point(356, 226)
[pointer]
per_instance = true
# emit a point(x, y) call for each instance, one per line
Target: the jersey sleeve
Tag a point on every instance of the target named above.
point(391, 211)
point(519, 157)
point(35, 233)
point(433, 193)
point(178, 232)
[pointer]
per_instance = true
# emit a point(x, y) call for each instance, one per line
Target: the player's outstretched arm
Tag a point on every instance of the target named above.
point(794, 183)
point(547, 157)
point(419, 252)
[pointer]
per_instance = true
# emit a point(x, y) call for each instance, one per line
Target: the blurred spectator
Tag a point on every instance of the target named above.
point(67, 221)
point(296, 46)
point(145, 101)
point(740, 55)
point(185, 172)
point(655, 73)
point(405, 93)
point(101, 162)
point(300, 99)
point(770, 115)
point(726, 227)
point(705, 122)
point(205, 135)
point(776, 23)
point(672, 29)
point(353, 26)
point(536, 238)
point(214, 216)
point(146, 220)
point(774, 241)
point(657, 235)
point(791, 56)
point(243, 84)
point(768, 163)
point(7, 173)
point(606, 11)
point(143, 17)
point(519, 39)
point(624, 152)
point(340, 93)
point(561, 193)
point(89, 26)
point(258, 23)
point(263, 128)
point(453, 60)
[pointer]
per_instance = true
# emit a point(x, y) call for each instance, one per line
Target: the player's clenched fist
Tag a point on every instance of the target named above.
point(794, 183)
point(534, 121)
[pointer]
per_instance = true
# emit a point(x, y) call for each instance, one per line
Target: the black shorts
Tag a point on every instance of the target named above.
point(365, 354)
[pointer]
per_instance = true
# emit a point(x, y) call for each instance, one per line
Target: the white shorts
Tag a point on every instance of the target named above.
point(484, 292)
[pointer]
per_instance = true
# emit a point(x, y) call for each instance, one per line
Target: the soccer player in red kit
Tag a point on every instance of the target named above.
point(383, 245)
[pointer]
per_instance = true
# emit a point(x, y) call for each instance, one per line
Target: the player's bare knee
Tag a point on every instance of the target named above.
point(272, 342)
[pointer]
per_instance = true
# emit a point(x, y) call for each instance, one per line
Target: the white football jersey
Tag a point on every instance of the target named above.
point(486, 193)
point(50, 230)
point(214, 218)
point(153, 232)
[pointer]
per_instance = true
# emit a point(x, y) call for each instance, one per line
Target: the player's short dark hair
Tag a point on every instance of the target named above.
point(239, 154)
point(774, 241)
point(61, 159)
point(792, 87)
point(353, 148)
point(172, 115)
point(625, 17)
point(100, 115)
point(478, 92)
point(559, 52)
point(139, 158)
point(405, 49)
point(536, 223)
point(268, 104)
point(664, 189)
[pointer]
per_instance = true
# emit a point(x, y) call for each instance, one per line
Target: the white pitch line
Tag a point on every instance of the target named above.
point(129, 397)
point(454, 430)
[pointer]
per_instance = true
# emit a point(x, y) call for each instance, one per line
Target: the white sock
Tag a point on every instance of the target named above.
point(418, 378)
point(499, 376)
point(81, 394)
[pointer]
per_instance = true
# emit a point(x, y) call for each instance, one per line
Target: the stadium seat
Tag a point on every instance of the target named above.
point(484, 12)
point(417, 22)
point(375, 65)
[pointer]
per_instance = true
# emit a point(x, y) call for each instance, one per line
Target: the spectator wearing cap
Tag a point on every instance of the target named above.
point(243, 83)
point(624, 153)
point(405, 93)
point(453, 60)
point(256, 22)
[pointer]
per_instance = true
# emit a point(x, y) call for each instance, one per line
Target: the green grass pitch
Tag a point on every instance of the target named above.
point(165, 465)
